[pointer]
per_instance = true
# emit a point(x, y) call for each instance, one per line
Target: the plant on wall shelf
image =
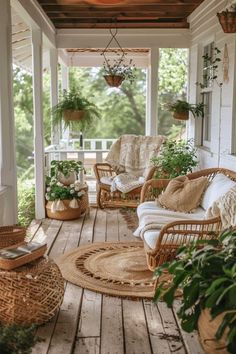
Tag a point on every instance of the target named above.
point(75, 110)
point(181, 109)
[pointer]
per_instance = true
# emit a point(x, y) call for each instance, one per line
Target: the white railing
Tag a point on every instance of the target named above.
point(93, 151)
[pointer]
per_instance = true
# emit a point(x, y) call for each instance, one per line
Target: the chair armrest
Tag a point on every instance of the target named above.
point(178, 233)
point(103, 169)
point(152, 188)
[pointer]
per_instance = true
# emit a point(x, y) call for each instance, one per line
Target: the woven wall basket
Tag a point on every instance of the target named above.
point(228, 21)
point(11, 235)
point(73, 115)
point(31, 294)
point(181, 115)
point(68, 213)
point(114, 80)
point(207, 329)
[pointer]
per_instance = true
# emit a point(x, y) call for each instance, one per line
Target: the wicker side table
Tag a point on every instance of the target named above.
point(31, 293)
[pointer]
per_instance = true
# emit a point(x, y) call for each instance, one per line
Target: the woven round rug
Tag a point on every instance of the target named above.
point(117, 269)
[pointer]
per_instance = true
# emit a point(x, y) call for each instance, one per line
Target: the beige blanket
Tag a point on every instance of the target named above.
point(225, 207)
point(132, 153)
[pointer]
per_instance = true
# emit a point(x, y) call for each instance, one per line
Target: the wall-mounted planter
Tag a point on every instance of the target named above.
point(228, 21)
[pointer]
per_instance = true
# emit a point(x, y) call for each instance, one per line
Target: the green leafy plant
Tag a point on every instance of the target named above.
point(73, 101)
point(118, 67)
point(206, 272)
point(210, 70)
point(65, 167)
point(177, 157)
point(26, 204)
point(16, 339)
point(184, 107)
point(56, 190)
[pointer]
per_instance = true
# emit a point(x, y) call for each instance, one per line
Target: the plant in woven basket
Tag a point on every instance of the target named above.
point(76, 111)
point(116, 71)
point(227, 19)
point(16, 339)
point(177, 157)
point(56, 190)
point(206, 273)
point(181, 109)
point(65, 167)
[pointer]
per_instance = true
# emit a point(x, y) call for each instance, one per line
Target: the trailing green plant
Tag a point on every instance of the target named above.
point(65, 167)
point(26, 204)
point(73, 101)
point(184, 107)
point(177, 157)
point(17, 339)
point(206, 273)
point(56, 190)
point(118, 67)
point(210, 64)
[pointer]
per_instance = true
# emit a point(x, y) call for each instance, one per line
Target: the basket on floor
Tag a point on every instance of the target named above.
point(31, 294)
point(11, 235)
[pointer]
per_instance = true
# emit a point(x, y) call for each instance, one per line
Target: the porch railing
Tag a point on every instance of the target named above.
point(93, 151)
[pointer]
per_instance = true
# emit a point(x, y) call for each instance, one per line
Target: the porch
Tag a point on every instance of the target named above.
point(89, 322)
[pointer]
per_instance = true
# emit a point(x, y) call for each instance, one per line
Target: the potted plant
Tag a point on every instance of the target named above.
point(206, 273)
point(66, 171)
point(227, 19)
point(117, 71)
point(74, 109)
point(181, 109)
point(176, 157)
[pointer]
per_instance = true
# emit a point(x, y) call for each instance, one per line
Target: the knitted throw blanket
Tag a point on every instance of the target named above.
point(132, 153)
point(225, 207)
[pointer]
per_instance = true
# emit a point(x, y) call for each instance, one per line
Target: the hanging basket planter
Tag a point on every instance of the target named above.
point(73, 115)
point(114, 80)
point(227, 20)
point(181, 115)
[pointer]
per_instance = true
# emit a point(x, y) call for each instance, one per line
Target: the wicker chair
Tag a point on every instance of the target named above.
point(178, 233)
point(106, 199)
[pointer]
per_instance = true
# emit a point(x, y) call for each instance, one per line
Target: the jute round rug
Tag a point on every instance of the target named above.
point(117, 269)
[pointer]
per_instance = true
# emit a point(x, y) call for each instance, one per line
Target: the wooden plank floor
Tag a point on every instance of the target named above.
point(92, 323)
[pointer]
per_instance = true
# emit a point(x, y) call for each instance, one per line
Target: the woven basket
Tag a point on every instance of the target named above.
point(114, 80)
point(181, 115)
point(207, 329)
point(31, 294)
point(11, 235)
point(69, 213)
point(74, 115)
point(227, 20)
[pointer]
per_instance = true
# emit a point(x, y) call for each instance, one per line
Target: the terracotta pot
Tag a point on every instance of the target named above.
point(73, 115)
point(67, 180)
point(181, 115)
point(114, 80)
point(207, 329)
point(227, 20)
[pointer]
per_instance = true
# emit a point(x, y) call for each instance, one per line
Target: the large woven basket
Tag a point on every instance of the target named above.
point(73, 115)
point(114, 80)
point(69, 213)
point(207, 329)
point(31, 294)
point(181, 115)
point(227, 20)
point(11, 235)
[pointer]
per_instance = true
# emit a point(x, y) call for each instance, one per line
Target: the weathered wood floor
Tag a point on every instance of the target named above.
point(92, 323)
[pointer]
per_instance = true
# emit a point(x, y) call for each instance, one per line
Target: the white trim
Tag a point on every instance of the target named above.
point(55, 129)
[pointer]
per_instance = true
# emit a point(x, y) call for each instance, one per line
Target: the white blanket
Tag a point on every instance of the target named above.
point(125, 182)
point(132, 153)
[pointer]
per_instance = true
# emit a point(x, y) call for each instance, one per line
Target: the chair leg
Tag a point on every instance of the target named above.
point(99, 194)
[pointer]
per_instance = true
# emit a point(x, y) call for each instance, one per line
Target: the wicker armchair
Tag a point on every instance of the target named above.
point(178, 233)
point(106, 199)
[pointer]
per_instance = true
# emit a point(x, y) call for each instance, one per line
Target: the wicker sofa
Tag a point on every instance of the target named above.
point(162, 242)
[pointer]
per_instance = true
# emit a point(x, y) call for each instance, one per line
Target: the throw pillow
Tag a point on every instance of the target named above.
point(220, 185)
point(183, 194)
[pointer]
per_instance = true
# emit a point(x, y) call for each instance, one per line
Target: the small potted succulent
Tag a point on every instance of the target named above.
point(227, 19)
point(75, 110)
point(181, 109)
point(117, 71)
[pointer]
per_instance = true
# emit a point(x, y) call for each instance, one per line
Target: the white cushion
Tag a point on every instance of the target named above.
point(106, 180)
point(220, 185)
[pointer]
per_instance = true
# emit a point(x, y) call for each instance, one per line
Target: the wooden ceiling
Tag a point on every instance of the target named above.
point(119, 13)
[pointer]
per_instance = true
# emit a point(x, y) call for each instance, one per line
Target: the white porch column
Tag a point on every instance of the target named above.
point(65, 86)
point(8, 175)
point(152, 92)
point(38, 122)
point(55, 129)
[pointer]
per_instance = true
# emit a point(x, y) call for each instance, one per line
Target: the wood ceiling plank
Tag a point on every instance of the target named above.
point(124, 25)
point(110, 15)
point(133, 2)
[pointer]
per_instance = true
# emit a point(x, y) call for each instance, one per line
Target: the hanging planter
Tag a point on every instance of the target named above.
point(74, 115)
point(181, 109)
point(114, 80)
point(181, 115)
point(227, 20)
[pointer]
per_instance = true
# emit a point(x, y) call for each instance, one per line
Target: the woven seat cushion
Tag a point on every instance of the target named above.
point(183, 194)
